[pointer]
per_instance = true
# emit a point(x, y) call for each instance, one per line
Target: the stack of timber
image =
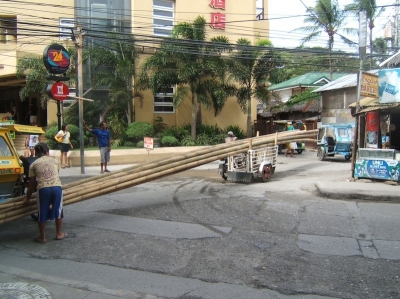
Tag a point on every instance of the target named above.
point(131, 176)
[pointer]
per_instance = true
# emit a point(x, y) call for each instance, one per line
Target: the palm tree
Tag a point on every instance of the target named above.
point(114, 67)
point(326, 17)
point(253, 68)
point(369, 6)
point(185, 61)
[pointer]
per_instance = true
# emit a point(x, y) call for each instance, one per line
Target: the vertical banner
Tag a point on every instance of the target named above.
point(372, 127)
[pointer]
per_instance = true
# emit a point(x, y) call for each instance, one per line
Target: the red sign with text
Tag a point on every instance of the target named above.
point(59, 91)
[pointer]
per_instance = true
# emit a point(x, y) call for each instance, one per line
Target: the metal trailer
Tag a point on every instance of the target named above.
point(256, 163)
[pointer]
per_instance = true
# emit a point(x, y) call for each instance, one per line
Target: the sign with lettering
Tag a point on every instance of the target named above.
point(217, 19)
point(377, 169)
point(56, 59)
point(389, 82)
point(369, 85)
point(58, 91)
point(148, 143)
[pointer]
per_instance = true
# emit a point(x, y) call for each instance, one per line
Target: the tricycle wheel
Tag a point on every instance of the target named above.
point(299, 151)
point(321, 154)
point(266, 173)
point(347, 157)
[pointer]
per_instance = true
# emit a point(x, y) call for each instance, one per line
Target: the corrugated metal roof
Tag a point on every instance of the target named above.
point(391, 61)
point(343, 82)
point(309, 106)
point(311, 79)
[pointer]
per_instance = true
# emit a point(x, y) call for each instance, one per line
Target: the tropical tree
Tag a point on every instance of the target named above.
point(327, 18)
point(253, 68)
point(184, 61)
point(114, 68)
point(369, 6)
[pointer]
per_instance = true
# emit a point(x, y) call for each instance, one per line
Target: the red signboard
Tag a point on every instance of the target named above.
point(58, 91)
point(217, 4)
point(218, 20)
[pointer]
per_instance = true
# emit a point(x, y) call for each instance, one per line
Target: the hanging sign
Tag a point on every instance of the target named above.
point(58, 91)
point(389, 82)
point(56, 59)
point(369, 85)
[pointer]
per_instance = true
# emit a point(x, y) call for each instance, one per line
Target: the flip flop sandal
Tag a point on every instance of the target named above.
point(37, 240)
point(62, 238)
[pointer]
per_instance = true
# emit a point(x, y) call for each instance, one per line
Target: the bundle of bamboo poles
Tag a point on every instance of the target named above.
point(138, 174)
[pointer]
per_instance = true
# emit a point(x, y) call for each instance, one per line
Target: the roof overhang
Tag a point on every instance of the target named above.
point(23, 129)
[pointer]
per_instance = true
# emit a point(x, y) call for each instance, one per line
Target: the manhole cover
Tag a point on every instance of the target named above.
point(19, 290)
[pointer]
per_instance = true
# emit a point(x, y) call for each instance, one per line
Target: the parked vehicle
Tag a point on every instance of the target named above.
point(283, 125)
point(12, 178)
point(335, 139)
point(257, 163)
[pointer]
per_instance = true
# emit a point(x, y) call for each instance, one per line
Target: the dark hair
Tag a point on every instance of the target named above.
point(294, 122)
point(63, 127)
point(102, 123)
point(41, 149)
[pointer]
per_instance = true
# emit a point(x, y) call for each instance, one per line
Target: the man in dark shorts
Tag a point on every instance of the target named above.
point(44, 172)
point(104, 141)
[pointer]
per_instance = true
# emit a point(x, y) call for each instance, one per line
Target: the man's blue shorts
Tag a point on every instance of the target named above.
point(50, 203)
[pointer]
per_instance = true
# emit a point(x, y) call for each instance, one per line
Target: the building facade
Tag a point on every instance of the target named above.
point(28, 28)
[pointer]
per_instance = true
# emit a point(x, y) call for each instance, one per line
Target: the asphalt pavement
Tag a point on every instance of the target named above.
point(17, 283)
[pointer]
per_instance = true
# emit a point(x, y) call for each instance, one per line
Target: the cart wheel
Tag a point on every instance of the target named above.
point(347, 157)
point(299, 151)
point(266, 173)
point(321, 154)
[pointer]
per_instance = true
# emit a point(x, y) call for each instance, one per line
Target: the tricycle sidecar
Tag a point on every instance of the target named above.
point(335, 139)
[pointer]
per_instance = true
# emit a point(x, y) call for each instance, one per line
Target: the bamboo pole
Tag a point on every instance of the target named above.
point(134, 175)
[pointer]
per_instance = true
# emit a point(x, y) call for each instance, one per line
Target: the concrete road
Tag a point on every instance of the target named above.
point(193, 235)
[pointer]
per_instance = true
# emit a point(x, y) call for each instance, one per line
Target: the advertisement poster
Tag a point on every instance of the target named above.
point(389, 82)
point(369, 85)
point(377, 169)
point(372, 128)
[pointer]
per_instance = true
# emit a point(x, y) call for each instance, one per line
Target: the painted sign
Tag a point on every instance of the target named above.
point(56, 59)
point(148, 143)
point(377, 169)
point(217, 19)
point(369, 85)
point(389, 82)
point(372, 127)
point(58, 91)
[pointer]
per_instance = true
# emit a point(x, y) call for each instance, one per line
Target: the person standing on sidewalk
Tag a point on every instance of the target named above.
point(44, 172)
point(104, 142)
point(65, 145)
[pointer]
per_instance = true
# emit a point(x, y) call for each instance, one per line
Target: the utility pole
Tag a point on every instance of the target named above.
point(79, 65)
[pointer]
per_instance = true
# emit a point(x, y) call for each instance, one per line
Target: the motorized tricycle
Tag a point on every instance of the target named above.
point(256, 163)
point(283, 125)
point(13, 175)
point(335, 139)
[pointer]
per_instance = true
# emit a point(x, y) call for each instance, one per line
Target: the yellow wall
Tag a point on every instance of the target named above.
point(241, 23)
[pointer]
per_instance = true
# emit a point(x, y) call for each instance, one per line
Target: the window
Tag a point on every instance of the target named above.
point(163, 17)
point(65, 28)
point(8, 29)
point(163, 102)
point(259, 9)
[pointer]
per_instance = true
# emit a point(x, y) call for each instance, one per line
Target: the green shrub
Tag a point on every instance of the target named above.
point(138, 130)
point(202, 139)
point(169, 141)
point(131, 144)
point(178, 132)
point(140, 144)
point(188, 141)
